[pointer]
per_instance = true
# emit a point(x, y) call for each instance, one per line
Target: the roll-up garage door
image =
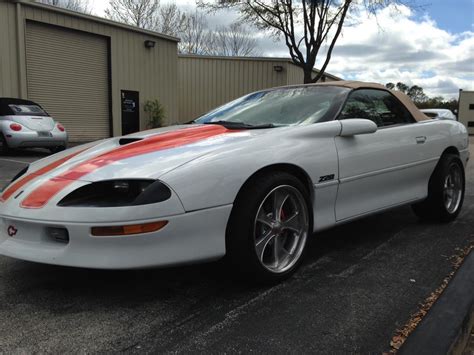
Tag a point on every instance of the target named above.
point(67, 73)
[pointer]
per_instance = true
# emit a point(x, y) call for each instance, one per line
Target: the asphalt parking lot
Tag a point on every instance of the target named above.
point(359, 283)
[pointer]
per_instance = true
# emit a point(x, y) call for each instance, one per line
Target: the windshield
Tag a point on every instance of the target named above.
point(278, 107)
point(29, 110)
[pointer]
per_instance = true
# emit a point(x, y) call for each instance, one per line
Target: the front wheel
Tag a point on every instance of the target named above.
point(445, 191)
point(268, 227)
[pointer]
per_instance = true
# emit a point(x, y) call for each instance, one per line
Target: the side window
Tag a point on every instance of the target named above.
point(360, 105)
point(377, 105)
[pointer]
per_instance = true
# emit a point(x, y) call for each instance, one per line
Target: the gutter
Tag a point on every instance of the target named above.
point(94, 19)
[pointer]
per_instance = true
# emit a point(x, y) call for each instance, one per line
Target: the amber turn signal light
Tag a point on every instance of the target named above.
point(128, 230)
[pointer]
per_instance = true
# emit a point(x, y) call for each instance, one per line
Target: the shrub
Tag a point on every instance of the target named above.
point(156, 113)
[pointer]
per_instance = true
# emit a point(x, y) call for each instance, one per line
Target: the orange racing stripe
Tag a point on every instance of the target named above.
point(40, 197)
point(17, 185)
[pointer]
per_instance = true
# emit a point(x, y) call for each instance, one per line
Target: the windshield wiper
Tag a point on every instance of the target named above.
point(241, 125)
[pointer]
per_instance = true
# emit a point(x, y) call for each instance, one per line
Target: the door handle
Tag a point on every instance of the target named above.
point(420, 140)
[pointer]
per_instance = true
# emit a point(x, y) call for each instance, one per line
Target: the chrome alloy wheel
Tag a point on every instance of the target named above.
point(281, 228)
point(452, 191)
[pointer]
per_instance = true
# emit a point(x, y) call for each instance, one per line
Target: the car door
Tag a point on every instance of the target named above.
point(385, 168)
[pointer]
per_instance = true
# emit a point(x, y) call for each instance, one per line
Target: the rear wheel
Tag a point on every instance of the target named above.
point(268, 228)
point(4, 149)
point(445, 191)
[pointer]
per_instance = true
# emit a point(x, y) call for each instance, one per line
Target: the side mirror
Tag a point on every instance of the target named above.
point(355, 126)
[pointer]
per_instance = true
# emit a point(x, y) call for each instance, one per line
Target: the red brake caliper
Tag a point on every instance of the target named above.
point(282, 215)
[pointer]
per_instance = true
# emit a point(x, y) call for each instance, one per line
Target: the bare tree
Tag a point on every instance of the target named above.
point(74, 5)
point(150, 15)
point(305, 25)
point(195, 38)
point(140, 13)
point(171, 20)
point(233, 40)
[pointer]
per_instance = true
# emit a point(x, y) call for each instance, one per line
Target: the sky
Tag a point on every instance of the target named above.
point(431, 45)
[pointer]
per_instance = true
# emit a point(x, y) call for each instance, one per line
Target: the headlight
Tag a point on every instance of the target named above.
point(117, 193)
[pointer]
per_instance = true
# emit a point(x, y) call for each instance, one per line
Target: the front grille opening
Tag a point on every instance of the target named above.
point(58, 235)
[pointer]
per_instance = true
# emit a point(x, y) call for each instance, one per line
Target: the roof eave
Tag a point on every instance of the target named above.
point(96, 19)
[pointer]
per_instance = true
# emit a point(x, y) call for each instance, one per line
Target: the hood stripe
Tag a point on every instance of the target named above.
point(17, 185)
point(40, 197)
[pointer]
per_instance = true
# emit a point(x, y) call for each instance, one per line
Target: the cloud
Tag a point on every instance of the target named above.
point(397, 46)
point(400, 47)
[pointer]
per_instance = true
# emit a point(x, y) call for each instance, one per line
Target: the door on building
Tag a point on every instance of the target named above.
point(68, 74)
point(130, 112)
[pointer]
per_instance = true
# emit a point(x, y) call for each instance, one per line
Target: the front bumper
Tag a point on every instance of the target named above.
point(31, 139)
point(190, 237)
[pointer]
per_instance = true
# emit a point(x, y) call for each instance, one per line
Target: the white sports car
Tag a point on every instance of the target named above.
point(251, 180)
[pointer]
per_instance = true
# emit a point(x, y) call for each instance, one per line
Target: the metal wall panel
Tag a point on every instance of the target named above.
point(207, 82)
point(67, 73)
point(151, 72)
point(294, 75)
point(9, 85)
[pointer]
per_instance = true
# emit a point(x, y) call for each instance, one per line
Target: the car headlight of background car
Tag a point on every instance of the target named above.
point(117, 193)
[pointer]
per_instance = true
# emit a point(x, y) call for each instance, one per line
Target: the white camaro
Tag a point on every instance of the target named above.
point(251, 180)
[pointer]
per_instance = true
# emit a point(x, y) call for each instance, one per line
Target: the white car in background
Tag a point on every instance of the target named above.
point(441, 113)
point(25, 124)
point(251, 180)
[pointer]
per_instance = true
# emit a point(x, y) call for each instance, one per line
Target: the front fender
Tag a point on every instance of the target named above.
point(216, 178)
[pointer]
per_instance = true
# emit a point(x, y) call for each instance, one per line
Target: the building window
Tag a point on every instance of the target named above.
point(471, 106)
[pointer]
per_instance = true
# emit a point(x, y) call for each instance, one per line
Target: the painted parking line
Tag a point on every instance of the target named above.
point(14, 161)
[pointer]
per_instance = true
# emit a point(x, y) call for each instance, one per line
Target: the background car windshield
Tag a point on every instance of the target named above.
point(30, 110)
point(280, 107)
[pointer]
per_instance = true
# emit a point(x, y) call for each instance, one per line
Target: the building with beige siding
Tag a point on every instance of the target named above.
point(205, 82)
point(91, 74)
point(94, 75)
point(466, 109)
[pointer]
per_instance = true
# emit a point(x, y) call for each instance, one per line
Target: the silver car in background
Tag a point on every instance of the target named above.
point(25, 124)
point(441, 113)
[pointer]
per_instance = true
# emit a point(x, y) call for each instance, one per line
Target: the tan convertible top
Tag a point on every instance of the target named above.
point(416, 113)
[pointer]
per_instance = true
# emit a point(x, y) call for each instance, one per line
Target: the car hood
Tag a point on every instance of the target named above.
point(35, 123)
point(146, 155)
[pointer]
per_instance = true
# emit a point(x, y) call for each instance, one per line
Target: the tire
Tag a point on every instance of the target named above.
point(4, 149)
point(445, 191)
point(57, 149)
point(263, 245)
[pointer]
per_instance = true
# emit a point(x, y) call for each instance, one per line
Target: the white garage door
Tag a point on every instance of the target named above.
point(67, 73)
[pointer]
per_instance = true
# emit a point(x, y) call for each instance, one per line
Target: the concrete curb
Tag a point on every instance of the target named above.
point(447, 326)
